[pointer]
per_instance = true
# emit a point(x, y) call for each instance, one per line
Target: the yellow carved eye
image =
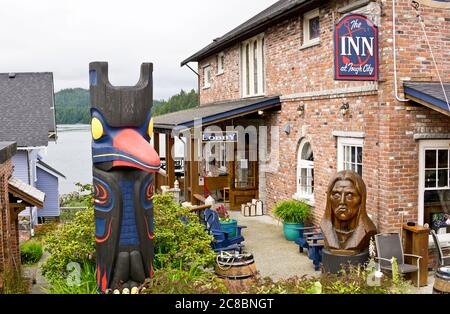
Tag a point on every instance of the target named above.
point(96, 129)
point(150, 128)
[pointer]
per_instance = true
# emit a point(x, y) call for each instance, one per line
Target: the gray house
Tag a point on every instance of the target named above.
point(27, 116)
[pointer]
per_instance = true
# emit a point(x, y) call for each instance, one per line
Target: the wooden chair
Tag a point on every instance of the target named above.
point(313, 242)
point(389, 245)
point(222, 238)
point(443, 260)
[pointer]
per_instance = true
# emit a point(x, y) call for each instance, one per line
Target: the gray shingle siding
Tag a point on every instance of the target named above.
point(26, 116)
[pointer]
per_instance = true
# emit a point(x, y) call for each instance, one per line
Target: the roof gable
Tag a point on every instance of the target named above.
point(27, 108)
point(276, 12)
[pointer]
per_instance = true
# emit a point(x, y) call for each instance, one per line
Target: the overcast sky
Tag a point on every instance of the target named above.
point(63, 36)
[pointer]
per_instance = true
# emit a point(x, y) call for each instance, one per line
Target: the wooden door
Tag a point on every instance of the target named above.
point(244, 180)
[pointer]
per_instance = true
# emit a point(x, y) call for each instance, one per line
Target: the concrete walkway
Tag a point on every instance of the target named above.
point(39, 284)
point(275, 257)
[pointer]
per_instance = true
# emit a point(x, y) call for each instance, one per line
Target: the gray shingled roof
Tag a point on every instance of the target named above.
point(429, 94)
point(26, 114)
point(214, 112)
point(26, 192)
point(258, 23)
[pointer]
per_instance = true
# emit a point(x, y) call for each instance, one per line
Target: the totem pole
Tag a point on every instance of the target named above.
point(124, 164)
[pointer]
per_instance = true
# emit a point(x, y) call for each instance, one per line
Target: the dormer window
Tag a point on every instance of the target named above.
point(207, 76)
point(220, 63)
point(252, 67)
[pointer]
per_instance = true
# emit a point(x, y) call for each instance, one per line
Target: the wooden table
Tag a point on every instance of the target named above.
point(416, 242)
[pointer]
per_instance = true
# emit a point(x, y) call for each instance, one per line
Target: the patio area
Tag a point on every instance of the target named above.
point(278, 258)
point(274, 256)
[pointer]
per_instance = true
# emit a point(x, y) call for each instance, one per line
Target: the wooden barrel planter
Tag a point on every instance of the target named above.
point(442, 281)
point(238, 270)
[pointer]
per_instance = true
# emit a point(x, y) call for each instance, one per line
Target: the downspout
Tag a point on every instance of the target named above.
point(395, 54)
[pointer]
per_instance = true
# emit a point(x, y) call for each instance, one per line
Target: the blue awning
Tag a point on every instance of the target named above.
point(429, 94)
point(215, 112)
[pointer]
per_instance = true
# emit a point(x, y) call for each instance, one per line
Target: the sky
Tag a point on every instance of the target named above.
point(63, 36)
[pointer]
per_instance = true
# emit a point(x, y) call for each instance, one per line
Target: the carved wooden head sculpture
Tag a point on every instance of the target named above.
point(346, 227)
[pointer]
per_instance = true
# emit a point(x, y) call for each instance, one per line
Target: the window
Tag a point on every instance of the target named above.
point(311, 28)
point(220, 63)
point(207, 76)
point(434, 185)
point(350, 154)
point(252, 67)
point(305, 172)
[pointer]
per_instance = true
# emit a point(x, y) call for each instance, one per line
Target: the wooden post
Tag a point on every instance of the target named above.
point(416, 242)
point(170, 163)
point(156, 184)
point(192, 174)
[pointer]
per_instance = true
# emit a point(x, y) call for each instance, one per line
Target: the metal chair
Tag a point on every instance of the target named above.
point(443, 260)
point(389, 245)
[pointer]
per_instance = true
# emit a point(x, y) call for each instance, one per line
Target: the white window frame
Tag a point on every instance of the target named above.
point(347, 141)
point(206, 83)
point(260, 67)
point(302, 164)
point(307, 42)
point(220, 63)
point(423, 146)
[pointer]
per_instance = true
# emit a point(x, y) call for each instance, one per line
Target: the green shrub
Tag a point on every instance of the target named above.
point(30, 252)
point(353, 280)
point(72, 242)
point(177, 242)
point(41, 231)
point(178, 281)
point(87, 283)
point(292, 211)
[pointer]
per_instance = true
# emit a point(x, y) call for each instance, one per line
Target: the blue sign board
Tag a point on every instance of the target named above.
point(356, 49)
point(218, 137)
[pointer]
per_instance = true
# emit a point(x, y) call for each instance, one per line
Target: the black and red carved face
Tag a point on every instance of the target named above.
point(123, 147)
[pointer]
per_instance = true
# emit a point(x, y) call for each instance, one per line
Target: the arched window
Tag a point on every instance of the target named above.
point(305, 172)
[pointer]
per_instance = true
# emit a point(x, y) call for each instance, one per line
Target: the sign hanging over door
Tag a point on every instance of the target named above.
point(217, 137)
point(356, 49)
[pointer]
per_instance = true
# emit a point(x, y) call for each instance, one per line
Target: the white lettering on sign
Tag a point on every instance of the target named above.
point(227, 137)
point(350, 68)
point(358, 45)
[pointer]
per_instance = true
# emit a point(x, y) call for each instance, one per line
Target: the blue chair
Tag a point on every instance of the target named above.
point(313, 241)
point(222, 239)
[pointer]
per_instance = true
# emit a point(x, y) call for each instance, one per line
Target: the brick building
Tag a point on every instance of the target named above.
point(394, 131)
point(14, 197)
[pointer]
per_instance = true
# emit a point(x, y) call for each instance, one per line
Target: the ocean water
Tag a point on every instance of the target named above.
point(71, 155)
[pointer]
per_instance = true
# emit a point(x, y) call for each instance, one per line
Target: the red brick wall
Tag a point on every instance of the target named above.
point(390, 153)
point(9, 241)
point(224, 86)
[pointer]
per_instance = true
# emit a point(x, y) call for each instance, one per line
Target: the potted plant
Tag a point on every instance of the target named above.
point(293, 213)
point(226, 223)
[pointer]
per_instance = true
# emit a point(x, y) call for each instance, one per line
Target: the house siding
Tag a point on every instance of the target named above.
point(21, 166)
point(21, 171)
point(48, 184)
point(390, 152)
